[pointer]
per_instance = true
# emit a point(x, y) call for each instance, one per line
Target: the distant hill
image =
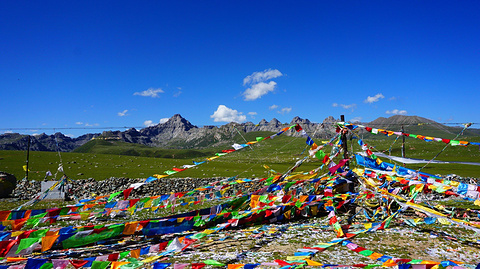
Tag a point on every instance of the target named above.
point(99, 146)
point(419, 125)
point(43, 142)
point(179, 133)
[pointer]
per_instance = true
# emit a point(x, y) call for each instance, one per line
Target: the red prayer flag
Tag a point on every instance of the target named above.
point(5, 247)
point(126, 193)
point(198, 265)
point(78, 263)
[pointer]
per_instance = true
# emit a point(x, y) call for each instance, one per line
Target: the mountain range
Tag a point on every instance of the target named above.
point(179, 133)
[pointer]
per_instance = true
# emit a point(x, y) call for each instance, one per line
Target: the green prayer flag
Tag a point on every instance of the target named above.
point(32, 222)
point(454, 142)
point(100, 264)
point(372, 265)
point(25, 243)
point(200, 222)
point(259, 138)
point(213, 263)
point(64, 211)
point(123, 254)
point(47, 265)
point(38, 233)
point(144, 200)
point(199, 235)
point(263, 198)
point(41, 215)
point(134, 263)
point(288, 185)
point(320, 155)
point(113, 195)
point(366, 252)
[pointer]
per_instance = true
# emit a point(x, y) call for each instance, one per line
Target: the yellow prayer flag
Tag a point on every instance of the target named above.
point(151, 259)
point(254, 201)
point(116, 265)
point(296, 258)
point(313, 263)
point(16, 233)
point(444, 221)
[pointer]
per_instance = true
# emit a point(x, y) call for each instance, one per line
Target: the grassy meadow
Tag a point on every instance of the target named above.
point(114, 159)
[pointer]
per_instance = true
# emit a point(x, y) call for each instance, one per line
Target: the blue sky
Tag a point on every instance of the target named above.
point(100, 64)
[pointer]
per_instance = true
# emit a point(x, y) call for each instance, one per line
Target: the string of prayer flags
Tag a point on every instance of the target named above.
point(421, 137)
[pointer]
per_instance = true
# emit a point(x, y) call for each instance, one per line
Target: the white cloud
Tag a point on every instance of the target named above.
point(225, 114)
point(396, 112)
point(123, 113)
point(151, 92)
point(148, 123)
point(177, 93)
point(272, 107)
point(392, 98)
point(373, 99)
point(258, 90)
point(91, 125)
point(256, 77)
point(351, 106)
point(285, 110)
point(79, 123)
point(163, 120)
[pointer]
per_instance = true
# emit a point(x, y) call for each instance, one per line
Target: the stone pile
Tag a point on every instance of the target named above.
point(87, 188)
point(466, 180)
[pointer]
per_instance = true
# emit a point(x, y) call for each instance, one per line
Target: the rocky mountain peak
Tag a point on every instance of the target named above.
point(274, 121)
point(329, 119)
point(297, 119)
point(177, 121)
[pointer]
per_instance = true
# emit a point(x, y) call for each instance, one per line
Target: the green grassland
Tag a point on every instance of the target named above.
point(103, 159)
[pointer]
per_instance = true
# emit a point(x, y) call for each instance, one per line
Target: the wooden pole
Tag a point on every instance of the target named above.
point(28, 155)
point(344, 141)
point(403, 143)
